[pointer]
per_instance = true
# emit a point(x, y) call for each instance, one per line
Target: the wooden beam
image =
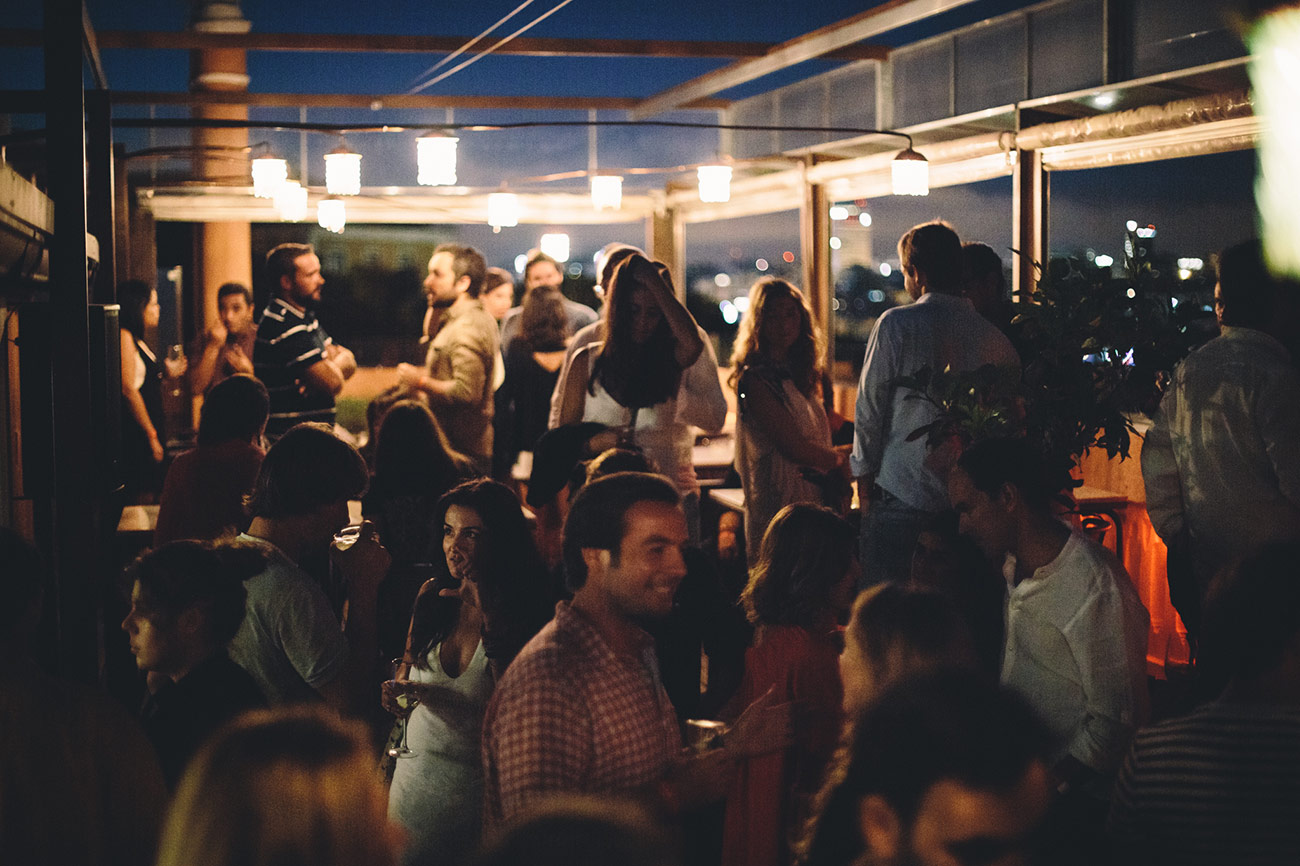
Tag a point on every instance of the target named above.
point(381, 101)
point(352, 42)
point(834, 37)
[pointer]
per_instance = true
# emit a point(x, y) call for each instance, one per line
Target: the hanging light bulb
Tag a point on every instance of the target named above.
point(911, 174)
point(435, 159)
point(332, 214)
point(342, 171)
point(269, 174)
point(502, 210)
point(555, 245)
point(715, 182)
point(291, 201)
point(607, 191)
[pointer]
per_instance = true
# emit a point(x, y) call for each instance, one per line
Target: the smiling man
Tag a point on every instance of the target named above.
point(456, 379)
point(302, 367)
point(582, 708)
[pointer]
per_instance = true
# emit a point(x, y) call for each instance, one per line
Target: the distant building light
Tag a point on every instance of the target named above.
point(885, 269)
point(1147, 232)
point(761, 264)
point(1103, 261)
point(835, 304)
point(575, 269)
point(741, 303)
point(876, 296)
point(835, 243)
point(1174, 302)
point(1132, 293)
point(722, 280)
point(1090, 254)
point(1184, 273)
point(787, 257)
point(730, 314)
point(864, 218)
point(1104, 100)
point(521, 262)
point(1131, 225)
point(839, 212)
point(1191, 264)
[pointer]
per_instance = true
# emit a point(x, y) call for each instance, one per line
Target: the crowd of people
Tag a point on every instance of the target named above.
point(463, 678)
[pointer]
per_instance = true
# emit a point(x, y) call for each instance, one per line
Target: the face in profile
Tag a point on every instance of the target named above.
point(152, 641)
point(440, 284)
point(307, 280)
point(957, 825)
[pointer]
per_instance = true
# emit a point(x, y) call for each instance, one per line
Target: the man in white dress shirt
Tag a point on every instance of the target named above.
point(1076, 630)
point(1222, 460)
point(898, 491)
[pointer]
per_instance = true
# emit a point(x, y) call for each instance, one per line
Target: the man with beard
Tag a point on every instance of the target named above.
point(302, 367)
point(582, 709)
point(456, 379)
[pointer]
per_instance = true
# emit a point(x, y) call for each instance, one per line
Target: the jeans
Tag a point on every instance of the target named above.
point(888, 537)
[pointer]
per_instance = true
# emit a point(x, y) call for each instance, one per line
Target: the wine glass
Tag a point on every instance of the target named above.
point(405, 700)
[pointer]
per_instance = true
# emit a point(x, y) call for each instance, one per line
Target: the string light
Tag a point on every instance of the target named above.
point(291, 201)
point(607, 191)
point(332, 214)
point(435, 160)
point(911, 174)
point(555, 245)
point(269, 174)
point(342, 172)
point(715, 182)
point(502, 210)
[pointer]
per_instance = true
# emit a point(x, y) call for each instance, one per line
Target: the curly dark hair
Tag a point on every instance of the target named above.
point(543, 322)
point(635, 375)
point(512, 585)
point(197, 574)
point(806, 550)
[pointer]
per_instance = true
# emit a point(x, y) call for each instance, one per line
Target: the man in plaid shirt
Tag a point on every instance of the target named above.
point(582, 708)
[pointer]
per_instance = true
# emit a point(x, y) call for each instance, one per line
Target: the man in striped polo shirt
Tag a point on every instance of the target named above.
point(302, 368)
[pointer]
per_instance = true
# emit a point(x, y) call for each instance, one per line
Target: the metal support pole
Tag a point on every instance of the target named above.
point(1030, 198)
point(101, 193)
point(815, 249)
point(74, 508)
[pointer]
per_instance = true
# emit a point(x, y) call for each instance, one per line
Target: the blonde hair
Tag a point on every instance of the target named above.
point(281, 788)
point(807, 353)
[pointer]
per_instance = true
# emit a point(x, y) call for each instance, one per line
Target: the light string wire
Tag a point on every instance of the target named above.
point(415, 88)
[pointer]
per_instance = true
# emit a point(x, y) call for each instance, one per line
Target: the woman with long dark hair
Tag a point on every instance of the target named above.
point(782, 431)
point(653, 375)
point(142, 406)
point(468, 624)
point(413, 467)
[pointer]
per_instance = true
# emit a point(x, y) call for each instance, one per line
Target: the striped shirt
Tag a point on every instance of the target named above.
point(1219, 786)
point(289, 341)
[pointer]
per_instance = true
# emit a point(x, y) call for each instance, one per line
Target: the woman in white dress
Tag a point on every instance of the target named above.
point(781, 429)
point(654, 375)
point(467, 625)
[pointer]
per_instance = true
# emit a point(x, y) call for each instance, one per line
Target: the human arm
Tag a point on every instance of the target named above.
point(763, 406)
point(134, 400)
point(655, 279)
point(874, 404)
point(363, 567)
point(208, 358)
point(1107, 640)
point(700, 400)
point(572, 389)
point(342, 358)
point(1164, 490)
point(470, 361)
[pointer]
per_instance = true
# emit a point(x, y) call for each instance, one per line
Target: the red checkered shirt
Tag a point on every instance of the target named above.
point(571, 716)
